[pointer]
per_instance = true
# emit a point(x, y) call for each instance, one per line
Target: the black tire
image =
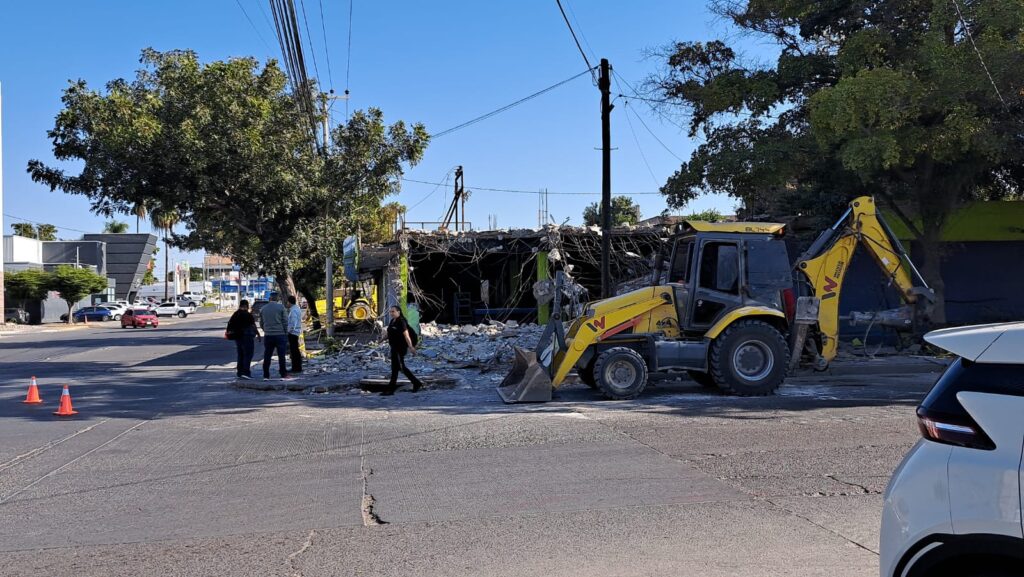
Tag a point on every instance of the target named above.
point(756, 343)
point(117, 317)
point(620, 373)
point(587, 374)
point(703, 379)
point(182, 314)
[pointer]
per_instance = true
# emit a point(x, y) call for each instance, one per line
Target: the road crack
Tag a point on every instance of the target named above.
point(368, 504)
point(864, 489)
point(295, 570)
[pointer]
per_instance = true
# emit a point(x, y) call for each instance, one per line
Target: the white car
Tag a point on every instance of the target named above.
point(173, 310)
point(953, 506)
point(116, 309)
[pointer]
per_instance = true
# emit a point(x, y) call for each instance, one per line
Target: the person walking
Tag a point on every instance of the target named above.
point(294, 333)
point(274, 322)
point(242, 329)
point(401, 342)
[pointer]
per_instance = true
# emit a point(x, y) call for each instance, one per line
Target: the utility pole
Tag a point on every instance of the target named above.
point(604, 83)
point(329, 265)
point(1, 208)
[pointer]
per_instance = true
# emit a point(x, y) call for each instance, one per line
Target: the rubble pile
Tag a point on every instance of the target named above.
point(462, 351)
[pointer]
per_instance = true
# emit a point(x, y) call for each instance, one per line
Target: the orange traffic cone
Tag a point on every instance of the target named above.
point(33, 394)
point(65, 409)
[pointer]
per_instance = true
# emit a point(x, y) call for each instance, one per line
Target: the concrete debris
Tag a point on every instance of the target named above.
point(460, 352)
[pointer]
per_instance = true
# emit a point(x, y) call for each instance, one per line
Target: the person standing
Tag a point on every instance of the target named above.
point(294, 333)
point(242, 329)
point(401, 343)
point(274, 322)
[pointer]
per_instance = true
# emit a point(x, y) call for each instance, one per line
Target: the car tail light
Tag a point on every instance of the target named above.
point(959, 430)
point(789, 303)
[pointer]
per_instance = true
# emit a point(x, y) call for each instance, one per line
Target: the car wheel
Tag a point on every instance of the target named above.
point(117, 317)
point(182, 314)
point(749, 359)
point(620, 373)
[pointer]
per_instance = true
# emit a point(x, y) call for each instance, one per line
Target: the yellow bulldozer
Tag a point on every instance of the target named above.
point(354, 302)
point(732, 312)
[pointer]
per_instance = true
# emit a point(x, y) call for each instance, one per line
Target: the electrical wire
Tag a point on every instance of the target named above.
point(640, 148)
point(309, 40)
point(636, 94)
point(967, 31)
point(21, 219)
point(590, 67)
point(256, 30)
point(651, 132)
point(516, 191)
point(508, 106)
point(327, 51)
point(447, 177)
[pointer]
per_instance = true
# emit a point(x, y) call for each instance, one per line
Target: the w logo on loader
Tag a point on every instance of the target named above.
point(597, 324)
point(829, 288)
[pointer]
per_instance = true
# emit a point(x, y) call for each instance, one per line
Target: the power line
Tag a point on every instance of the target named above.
point(651, 132)
point(640, 148)
point(18, 218)
point(348, 56)
point(639, 97)
point(256, 30)
point(590, 68)
point(508, 106)
point(516, 191)
point(970, 37)
point(327, 51)
point(309, 40)
point(447, 176)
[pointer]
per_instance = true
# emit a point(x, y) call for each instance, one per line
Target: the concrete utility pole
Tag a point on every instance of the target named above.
point(329, 265)
point(604, 83)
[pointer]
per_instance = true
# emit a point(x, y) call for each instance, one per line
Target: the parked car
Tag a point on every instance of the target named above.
point(116, 310)
point(189, 301)
point(194, 297)
point(91, 314)
point(17, 316)
point(953, 506)
point(139, 318)
point(174, 310)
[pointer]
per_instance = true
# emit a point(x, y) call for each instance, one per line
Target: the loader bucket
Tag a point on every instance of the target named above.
point(527, 382)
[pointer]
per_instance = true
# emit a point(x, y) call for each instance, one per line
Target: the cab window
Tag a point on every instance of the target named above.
point(681, 262)
point(720, 267)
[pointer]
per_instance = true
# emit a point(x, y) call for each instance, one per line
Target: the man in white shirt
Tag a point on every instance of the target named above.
point(294, 333)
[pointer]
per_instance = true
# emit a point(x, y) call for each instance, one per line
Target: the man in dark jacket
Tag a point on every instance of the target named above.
point(242, 329)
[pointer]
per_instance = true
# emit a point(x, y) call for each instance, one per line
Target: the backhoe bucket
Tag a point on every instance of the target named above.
point(527, 382)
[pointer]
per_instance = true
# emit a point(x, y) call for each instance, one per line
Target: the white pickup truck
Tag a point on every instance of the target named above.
point(174, 310)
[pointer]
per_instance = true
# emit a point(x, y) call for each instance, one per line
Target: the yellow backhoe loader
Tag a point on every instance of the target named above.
point(732, 312)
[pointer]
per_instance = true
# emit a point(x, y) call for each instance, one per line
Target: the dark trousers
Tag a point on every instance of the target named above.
point(246, 348)
point(398, 365)
point(296, 354)
point(273, 343)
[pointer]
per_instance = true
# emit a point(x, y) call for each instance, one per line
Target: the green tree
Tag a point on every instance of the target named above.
point(115, 227)
point(74, 284)
point(884, 98)
point(24, 229)
point(46, 232)
point(624, 211)
point(226, 146)
point(149, 278)
point(27, 285)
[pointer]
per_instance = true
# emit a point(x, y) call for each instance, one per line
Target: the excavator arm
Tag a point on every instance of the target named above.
point(825, 263)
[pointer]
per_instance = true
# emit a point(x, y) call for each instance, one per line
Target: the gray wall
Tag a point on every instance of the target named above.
point(84, 252)
point(127, 256)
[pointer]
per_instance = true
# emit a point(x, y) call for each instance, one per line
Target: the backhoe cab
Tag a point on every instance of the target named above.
point(726, 310)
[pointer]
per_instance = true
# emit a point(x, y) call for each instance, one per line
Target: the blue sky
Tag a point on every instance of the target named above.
point(440, 63)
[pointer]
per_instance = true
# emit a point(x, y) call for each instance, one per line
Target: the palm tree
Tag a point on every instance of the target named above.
point(165, 219)
point(140, 213)
point(115, 227)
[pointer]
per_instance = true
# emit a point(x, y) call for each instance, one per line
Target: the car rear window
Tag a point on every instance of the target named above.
point(141, 312)
point(964, 375)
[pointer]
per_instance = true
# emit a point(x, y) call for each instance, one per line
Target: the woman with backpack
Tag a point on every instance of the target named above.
point(242, 329)
point(402, 341)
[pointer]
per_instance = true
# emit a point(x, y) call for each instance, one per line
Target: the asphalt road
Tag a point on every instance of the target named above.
point(168, 470)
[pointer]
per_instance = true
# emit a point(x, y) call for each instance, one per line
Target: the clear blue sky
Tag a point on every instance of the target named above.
point(440, 63)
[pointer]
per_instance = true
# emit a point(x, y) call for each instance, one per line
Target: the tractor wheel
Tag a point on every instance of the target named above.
point(587, 374)
point(749, 359)
point(620, 373)
point(359, 312)
point(703, 379)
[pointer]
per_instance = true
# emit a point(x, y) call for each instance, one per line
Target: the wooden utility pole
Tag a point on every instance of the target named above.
point(329, 265)
point(604, 83)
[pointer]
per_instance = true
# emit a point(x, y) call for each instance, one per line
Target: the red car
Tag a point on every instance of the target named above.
point(139, 318)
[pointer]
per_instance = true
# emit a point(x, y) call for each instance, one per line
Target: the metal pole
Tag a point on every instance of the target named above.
point(604, 84)
point(1, 208)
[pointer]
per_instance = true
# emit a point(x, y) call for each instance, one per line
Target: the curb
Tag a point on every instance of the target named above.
point(902, 366)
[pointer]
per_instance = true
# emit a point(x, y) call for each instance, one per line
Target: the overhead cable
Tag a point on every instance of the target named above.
point(590, 67)
point(515, 191)
point(508, 106)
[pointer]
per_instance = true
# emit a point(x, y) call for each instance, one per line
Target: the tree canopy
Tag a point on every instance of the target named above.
point(28, 285)
point(909, 101)
point(74, 284)
point(224, 147)
point(624, 211)
point(115, 227)
point(40, 231)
